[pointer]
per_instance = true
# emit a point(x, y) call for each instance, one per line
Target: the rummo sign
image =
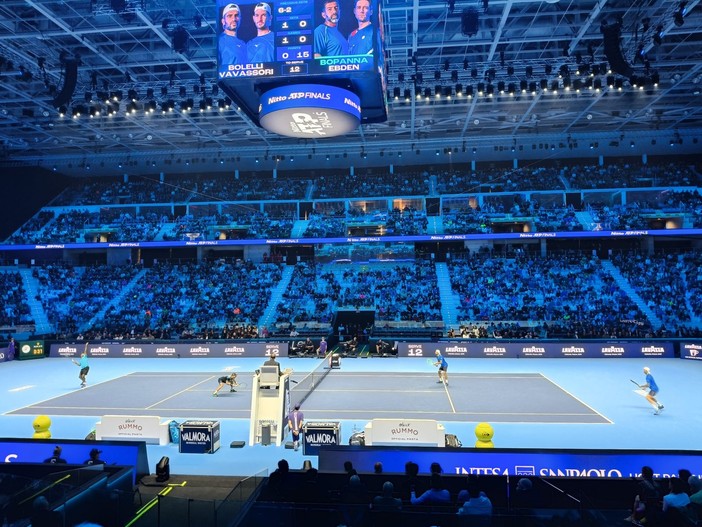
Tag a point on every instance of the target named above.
point(174, 350)
point(580, 348)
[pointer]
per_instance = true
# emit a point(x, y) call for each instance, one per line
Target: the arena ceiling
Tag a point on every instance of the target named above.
point(551, 54)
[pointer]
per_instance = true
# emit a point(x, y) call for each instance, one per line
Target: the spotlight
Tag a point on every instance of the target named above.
point(658, 36)
point(132, 94)
point(164, 90)
point(149, 93)
point(454, 76)
point(679, 15)
point(437, 75)
point(529, 71)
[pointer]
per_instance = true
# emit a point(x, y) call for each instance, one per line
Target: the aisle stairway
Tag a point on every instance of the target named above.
point(299, 228)
point(585, 219)
point(625, 286)
point(31, 286)
point(449, 300)
point(276, 297)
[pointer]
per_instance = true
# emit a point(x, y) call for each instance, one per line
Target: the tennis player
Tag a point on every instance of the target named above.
point(83, 365)
point(652, 390)
point(443, 367)
point(227, 380)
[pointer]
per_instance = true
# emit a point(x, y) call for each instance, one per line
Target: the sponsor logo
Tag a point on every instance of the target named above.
point(133, 350)
point(316, 123)
point(533, 350)
point(99, 350)
point(321, 438)
point(193, 436)
point(494, 350)
point(573, 351)
point(612, 350)
point(200, 350)
point(129, 425)
point(652, 350)
point(581, 472)
point(166, 350)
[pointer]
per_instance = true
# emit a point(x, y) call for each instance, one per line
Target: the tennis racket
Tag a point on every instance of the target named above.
point(431, 362)
point(636, 383)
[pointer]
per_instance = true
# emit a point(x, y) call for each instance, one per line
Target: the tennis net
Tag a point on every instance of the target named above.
point(302, 390)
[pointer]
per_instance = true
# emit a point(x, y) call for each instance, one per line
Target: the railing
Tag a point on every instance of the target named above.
point(166, 510)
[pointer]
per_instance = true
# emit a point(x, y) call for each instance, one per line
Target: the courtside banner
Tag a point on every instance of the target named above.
point(171, 350)
point(516, 462)
point(691, 350)
point(550, 350)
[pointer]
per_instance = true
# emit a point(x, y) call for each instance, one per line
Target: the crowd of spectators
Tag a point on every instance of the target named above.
point(14, 308)
point(417, 497)
point(32, 231)
point(661, 281)
point(507, 295)
point(192, 300)
point(568, 295)
point(372, 183)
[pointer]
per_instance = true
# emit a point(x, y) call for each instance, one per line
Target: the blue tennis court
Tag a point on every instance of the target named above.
point(531, 403)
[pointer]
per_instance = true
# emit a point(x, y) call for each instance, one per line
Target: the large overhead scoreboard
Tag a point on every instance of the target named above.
point(312, 68)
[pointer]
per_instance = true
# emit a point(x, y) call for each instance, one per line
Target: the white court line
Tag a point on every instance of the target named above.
point(178, 393)
point(578, 399)
point(448, 395)
point(22, 388)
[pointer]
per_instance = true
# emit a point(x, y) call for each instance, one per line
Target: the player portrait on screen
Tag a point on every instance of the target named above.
point(231, 49)
point(361, 38)
point(328, 40)
point(261, 47)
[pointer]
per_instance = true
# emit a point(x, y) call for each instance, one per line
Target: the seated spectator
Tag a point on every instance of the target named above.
point(435, 495)
point(695, 490)
point(478, 504)
point(278, 481)
point(386, 502)
point(524, 498)
point(354, 502)
point(647, 501)
point(378, 468)
point(676, 498)
point(42, 515)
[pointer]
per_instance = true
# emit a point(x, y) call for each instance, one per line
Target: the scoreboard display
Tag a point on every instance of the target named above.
point(333, 43)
